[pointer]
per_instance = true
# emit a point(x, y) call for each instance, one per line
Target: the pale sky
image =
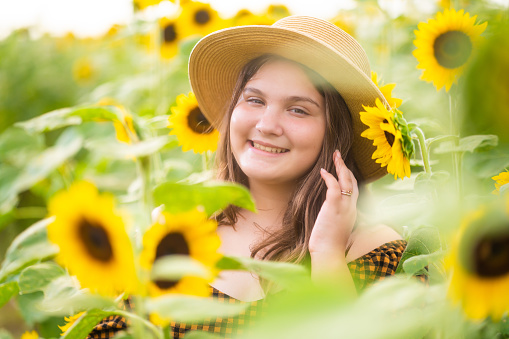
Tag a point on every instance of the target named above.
point(95, 17)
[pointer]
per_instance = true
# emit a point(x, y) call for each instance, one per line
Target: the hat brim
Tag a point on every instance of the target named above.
point(217, 59)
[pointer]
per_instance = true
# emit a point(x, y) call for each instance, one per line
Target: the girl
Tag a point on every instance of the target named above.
point(286, 99)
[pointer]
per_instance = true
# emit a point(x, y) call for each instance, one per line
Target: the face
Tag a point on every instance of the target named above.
point(278, 125)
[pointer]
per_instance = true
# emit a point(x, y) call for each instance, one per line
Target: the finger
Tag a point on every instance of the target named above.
point(333, 188)
point(344, 177)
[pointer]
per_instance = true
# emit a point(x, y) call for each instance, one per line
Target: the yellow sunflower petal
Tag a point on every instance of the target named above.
point(189, 233)
point(189, 125)
point(445, 46)
point(92, 239)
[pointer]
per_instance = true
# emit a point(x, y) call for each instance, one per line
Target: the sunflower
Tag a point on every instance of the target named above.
point(198, 18)
point(245, 17)
point(386, 91)
point(170, 37)
point(276, 12)
point(30, 335)
point(501, 179)
point(124, 126)
point(192, 129)
point(142, 4)
point(445, 45)
point(69, 322)
point(479, 262)
point(190, 234)
point(389, 133)
point(92, 238)
point(83, 71)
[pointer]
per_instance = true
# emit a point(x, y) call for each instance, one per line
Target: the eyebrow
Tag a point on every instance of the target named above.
point(290, 98)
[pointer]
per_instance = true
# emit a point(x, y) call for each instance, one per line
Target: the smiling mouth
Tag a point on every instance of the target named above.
point(269, 149)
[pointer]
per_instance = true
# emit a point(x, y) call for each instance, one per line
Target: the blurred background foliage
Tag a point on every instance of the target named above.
point(142, 66)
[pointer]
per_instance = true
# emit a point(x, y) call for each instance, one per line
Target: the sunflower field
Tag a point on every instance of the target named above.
point(107, 180)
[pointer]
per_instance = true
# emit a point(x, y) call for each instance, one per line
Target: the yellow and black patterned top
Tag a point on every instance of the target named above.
point(371, 267)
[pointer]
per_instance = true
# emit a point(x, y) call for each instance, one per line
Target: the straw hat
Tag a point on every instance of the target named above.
point(218, 58)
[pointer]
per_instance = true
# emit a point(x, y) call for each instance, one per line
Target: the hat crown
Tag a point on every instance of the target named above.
point(329, 34)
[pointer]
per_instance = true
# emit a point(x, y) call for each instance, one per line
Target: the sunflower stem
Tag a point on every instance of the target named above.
point(424, 150)
point(140, 320)
point(455, 155)
point(146, 192)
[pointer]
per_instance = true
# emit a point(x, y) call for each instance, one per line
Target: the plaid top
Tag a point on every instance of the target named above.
point(371, 267)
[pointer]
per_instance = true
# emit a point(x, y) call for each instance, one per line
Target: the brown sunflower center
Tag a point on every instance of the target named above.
point(452, 49)
point(169, 34)
point(388, 136)
point(172, 243)
point(96, 240)
point(198, 123)
point(201, 17)
point(491, 256)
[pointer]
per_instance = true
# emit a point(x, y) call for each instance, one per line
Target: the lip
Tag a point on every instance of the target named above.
point(265, 153)
point(266, 144)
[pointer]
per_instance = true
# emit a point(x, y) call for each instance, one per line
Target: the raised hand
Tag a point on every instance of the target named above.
point(338, 213)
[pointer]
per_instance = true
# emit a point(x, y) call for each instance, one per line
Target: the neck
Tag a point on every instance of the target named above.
point(271, 203)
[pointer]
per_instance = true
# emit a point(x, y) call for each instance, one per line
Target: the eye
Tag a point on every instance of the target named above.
point(255, 101)
point(299, 111)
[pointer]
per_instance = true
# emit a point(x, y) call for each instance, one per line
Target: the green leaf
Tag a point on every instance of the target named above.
point(4, 334)
point(41, 166)
point(469, 144)
point(36, 277)
point(417, 264)
point(187, 308)
point(16, 146)
point(423, 240)
point(139, 149)
point(28, 306)
point(287, 275)
point(7, 291)
point(84, 324)
point(68, 117)
point(63, 296)
point(174, 267)
point(29, 247)
point(202, 335)
point(213, 196)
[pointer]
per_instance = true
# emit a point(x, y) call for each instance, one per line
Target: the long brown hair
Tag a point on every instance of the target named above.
point(290, 242)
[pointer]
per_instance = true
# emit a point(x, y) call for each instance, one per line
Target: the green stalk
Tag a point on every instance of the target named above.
point(456, 160)
point(424, 151)
point(139, 333)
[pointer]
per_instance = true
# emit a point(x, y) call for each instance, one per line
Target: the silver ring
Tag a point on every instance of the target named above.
point(347, 193)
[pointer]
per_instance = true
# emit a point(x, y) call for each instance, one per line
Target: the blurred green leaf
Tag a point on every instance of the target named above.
point(29, 247)
point(213, 196)
point(63, 296)
point(7, 291)
point(174, 267)
point(84, 324)
point(46, 162)
point(187, 308)
point(16, 146)
point(4, 334)
point(417, 263)
point(202, 335)
point(69, 116)
point(469, 144)
point(286, 275)
point(423, 240)
point(139, 149)
point(28, 306)
point(36, 277)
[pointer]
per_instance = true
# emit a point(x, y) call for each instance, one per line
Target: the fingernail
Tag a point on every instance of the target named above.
point(322, 170)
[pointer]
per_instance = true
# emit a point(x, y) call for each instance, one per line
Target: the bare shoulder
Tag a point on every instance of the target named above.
point(367, 239)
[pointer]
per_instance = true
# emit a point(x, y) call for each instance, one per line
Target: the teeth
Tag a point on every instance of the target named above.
point(268, 149)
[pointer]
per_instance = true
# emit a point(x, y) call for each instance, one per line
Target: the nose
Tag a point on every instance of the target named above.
point(270, 122)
